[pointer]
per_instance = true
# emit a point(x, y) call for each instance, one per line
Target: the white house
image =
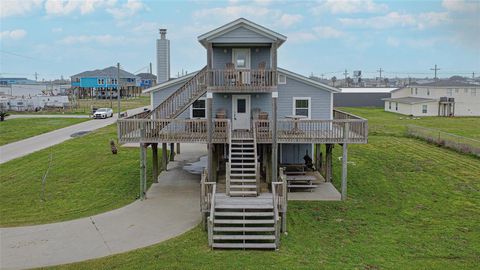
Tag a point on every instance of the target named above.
point(439, 98)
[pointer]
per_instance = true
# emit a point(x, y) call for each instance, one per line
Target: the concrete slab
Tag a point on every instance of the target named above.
point(324, 192)
point(171, 208)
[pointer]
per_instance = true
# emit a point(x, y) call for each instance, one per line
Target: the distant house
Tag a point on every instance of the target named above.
point(439, 98)
point(102, 83)
point(361, 97)
point(10, 81)
point(147, 80)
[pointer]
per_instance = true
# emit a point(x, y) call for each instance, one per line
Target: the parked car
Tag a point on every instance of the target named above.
point(103, 113)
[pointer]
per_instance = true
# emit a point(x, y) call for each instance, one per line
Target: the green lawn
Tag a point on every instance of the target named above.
point(387, 123)
point(12, 130)
point(84, 179)
point(411, 205)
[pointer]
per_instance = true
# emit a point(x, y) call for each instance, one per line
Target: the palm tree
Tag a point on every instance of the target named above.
point(334, 79)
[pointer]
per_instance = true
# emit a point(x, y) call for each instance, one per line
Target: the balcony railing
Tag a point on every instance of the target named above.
point(241, 80)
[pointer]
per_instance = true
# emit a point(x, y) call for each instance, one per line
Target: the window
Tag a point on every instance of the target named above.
point(416, 91)
point(101, 81)
point(301, 106)
point(241, 58)
point(282, 79)
point(389, 105)
point(428, 92)
point(198, 109)
point(396, 106)
point(449, 92)
point(424, 108)
point(473, 92)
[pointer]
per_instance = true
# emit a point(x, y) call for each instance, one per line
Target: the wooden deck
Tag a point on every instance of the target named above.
point(348, 129)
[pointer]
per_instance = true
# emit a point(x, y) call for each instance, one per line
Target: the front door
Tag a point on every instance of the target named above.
point(241, 112)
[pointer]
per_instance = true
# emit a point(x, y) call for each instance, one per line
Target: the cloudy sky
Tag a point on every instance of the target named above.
point(404, 38)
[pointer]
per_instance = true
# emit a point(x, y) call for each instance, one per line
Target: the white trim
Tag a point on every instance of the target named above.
point(331, 106)
point(294, 99)
point(209, 95)
point(275, 94)
point(308, 81)
point(191, 109)
point(238, 23)
point(279, 81)
point(248, 109)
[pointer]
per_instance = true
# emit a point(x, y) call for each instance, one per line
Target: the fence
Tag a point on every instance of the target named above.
point(452, 141)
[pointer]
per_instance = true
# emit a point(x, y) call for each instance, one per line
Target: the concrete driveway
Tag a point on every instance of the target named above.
point(24, 147)
point(171, 208)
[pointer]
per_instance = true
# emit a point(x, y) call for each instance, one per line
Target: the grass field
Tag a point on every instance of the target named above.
point(12, 130)
point(411, 205)
point(84, 179)
point(85, 105)
point(387, 123)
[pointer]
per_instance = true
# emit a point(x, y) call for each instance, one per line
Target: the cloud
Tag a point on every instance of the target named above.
point(258, 13)
point(327, 32)
point(395, 19)
point(461, 6)
point(13, 34)
point(128, 9)
point(316, 33)
point(67, 7)
point(416, 43)
point(57, 29)
point(97, 39)
point(349, 6)
point(15, 8)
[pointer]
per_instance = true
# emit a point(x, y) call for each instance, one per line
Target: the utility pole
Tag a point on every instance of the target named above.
point(150, 67)
point(118, 87)
point(345, 73)
point(435, 69)
point(36, 76)
point(380, 71)
point(473, 75)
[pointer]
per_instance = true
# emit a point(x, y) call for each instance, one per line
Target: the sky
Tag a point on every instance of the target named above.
point(404, 38)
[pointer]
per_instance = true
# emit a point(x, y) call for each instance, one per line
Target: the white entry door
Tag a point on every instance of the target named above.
point(241, 112)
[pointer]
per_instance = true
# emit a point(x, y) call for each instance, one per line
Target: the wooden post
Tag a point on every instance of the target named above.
point(178, 148)
point(346, 130)
point(211, 170)
point(172, 152)
point(274, 137)
point(328, 169)
point(164, 157)
point(155, 162)
point(143, 171)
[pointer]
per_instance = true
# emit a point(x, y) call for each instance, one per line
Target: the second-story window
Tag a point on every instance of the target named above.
point(198, 109)
point(428, 92)
point(301, 106)
point(282, 79)
point(241, 58)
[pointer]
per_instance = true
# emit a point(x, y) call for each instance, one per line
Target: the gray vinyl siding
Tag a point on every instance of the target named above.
point(294, 153)
point(359, 99)
point(223, 55)
point(258, 101)
point(241, 35)
point(320, 99)
point(160, 95)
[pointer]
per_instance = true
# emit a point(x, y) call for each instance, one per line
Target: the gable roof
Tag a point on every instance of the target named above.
point(170, 82)
point(106, 72)
point(308, 80)
point(147, 76)
point(242, 22)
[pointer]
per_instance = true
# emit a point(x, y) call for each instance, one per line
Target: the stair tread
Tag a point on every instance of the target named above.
point(243, 186)
point(243, 180)
point(244, 245)
point(244, 237)
point(244, 214)
point(243, 229)
point(243, 221)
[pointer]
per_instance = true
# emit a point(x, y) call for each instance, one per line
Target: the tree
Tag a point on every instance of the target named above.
point(334, 79)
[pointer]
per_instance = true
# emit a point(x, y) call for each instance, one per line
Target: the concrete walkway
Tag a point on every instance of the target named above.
point(172, 207)
point(24, 147)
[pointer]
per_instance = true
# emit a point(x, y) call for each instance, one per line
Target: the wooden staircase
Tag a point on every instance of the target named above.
point(243, 223)
point(181, 99)
point(242, 168)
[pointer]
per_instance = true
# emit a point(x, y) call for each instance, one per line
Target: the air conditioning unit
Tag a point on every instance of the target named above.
point(451, 99)
point(443, 99)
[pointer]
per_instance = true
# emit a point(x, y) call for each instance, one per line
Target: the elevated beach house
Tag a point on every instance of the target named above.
point(268, 130)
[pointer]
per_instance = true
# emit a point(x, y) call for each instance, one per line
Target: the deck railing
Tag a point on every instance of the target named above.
point(241, 80)
point(171, 130)
point(313, 131)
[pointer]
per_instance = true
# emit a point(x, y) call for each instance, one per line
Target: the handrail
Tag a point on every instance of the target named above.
point(338, 114)
point(227, 80)
point(212, 215)
point(257, 174)
point(275, 214)
point(229, 163)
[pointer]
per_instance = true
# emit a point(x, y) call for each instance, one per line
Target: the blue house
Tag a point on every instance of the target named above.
point(269, 131)
point(102, 83)
point(147, 80)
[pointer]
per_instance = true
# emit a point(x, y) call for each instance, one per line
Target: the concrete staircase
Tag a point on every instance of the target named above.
point(244, 222)
point(242, 168)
